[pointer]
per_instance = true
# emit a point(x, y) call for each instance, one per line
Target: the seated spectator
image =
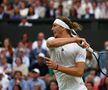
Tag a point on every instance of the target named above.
point(59, 11)
point(39, 10)
point(104, 84)
point(73, 13)
point(24, 22)
point(36, 86)
point(25, 39)
point(87, 5)
point(41, 65)
point(106, 10)
point(25, 59)
point(9, 50)
point(4, 65)
point(20, 66)
point(53, 85)
point(96, 10)
point(23, 9)
point(31, 14)
point(10, 9)
point(16, 14)
point(37, 50)
point(21, 45)
point(103, 57)
point(93, 77)
point(50, 10)
point(87, 14)
point(17, 80)
point(3, 15)
point(5, 4)
point(16, 3)
point(41, 83)
point(16, 87)
point(4, 82)
point(40, 37)
point(89, 85)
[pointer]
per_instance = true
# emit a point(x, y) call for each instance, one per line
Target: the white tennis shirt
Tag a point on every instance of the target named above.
point(67, 55)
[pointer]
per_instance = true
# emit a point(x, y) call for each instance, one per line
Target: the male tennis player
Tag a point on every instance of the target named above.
point(67, 55)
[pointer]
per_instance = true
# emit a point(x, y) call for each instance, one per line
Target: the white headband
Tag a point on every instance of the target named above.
point(61, 23)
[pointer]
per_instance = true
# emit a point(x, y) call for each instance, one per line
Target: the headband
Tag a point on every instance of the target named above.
point(61, 23)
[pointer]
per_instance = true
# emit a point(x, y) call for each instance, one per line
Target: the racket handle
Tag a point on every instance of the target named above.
point(89, 49)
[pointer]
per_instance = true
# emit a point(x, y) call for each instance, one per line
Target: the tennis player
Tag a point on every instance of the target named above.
point(67, 55)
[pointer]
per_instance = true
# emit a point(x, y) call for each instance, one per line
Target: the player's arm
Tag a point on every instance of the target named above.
point(76, 70)
point(62, 41)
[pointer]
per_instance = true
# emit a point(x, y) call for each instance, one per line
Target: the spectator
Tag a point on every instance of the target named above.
point(20, 67)
point(93, 77)
point(78, 6)
point(73, 13)
point(39, 10)
point(38, 50)
point(16, 14)
point(24, 22)
point(36, 86)
point(87, 5)
point(31, 14)
point(4, 65)
point(23, 9)
point(41, 83)
point(10, 9)
point(106, 9)
point(101, 6)
point(4, 82)
point(3, 15)
point(17, 80)
point(104, 84)
point(25, 39)
point(9, 50)
point(25, 59)
point(59, 11)
point(89, 85)
point(40, 37)
point(53, 85)
point(96, 10)
point(5, 4)
point(16, 3)
point(87, 14)
point(103, 57)
point(50, 10)
point(31, 3)
point(16, 87)
point(26, 50)
point(41, 65)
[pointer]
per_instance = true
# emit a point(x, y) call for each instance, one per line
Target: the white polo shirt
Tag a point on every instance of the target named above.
point(67, 55)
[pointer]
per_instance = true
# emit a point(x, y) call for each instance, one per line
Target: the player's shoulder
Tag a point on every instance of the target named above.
point(50, 38)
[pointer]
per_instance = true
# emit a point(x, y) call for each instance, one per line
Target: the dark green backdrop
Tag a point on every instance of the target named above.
point(95, 31)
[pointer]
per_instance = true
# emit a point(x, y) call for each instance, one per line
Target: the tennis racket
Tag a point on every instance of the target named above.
point(102, 59)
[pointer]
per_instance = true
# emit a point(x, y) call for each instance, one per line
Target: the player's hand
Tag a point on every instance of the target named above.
point(82, 42)
point(50, 63)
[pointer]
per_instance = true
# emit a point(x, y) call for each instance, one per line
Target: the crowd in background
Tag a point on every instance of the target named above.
point(23, 66)
point(35, 9)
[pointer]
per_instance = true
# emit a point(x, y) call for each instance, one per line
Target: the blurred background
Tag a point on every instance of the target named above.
point(25, 26)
